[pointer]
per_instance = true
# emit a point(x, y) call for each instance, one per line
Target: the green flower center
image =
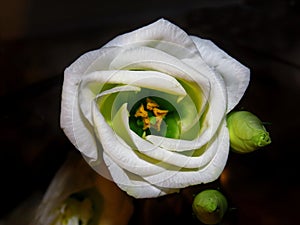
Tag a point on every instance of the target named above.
point(154, 116)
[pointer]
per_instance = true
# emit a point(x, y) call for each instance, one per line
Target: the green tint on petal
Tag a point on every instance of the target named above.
point(191, 106)
point(105, 106)
point(210, 206)
point(247, 132)
point(120, 124)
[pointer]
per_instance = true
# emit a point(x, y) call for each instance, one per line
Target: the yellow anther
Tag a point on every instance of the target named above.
point(151, 104)
point(159, 112)
point(141, 112)
point(146, 122)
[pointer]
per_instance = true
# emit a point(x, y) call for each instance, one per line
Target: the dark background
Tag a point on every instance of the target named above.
point(39, 38)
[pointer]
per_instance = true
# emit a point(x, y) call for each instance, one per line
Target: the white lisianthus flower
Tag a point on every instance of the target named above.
point(151, 106)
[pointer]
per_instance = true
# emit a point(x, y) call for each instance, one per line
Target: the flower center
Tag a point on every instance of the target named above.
point(154, 121)
point(153, 115)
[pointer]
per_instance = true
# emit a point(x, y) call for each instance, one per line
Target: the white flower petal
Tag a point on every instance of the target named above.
point(235, 74)
point(161, 35)
point(144, 79)
point(90, 88)
point(176, 159)
point(74, 124)
point(134, 185)
point(210, 172)
point(99, 59)
point(120, 125)
point(77, 126)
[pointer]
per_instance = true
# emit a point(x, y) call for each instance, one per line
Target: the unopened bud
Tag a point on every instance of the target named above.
point(210, 206)
point(246, 132)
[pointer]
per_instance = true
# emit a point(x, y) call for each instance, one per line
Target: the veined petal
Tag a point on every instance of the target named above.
point(99, 59)
point(161, 35)
point(174, 158)
point(76, 127)
point(208, 173)
point(235, 74)
point(134, 185)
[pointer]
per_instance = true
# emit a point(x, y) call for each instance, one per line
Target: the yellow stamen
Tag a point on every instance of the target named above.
point(151, 104)
point(141, 112)
point(159, 114)
point(146, 123)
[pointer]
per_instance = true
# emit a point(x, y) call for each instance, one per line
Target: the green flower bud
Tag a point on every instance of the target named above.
point(210, 206)
point(246, 132)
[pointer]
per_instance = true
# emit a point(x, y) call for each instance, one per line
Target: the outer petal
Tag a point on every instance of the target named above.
point(161, 35)
point(134, 185)
point(76, 127)
point(235, 74)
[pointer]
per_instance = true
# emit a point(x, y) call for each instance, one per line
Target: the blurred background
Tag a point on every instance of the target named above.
point(39, 38)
